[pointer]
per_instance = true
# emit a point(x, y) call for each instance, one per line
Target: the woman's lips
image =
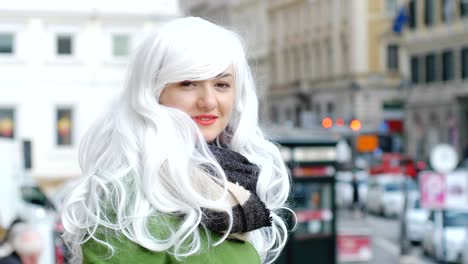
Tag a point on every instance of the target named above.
point(205, 120)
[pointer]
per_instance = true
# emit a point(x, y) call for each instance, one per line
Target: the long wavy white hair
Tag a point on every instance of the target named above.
point(138, 160)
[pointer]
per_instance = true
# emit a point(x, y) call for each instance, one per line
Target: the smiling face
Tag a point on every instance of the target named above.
point(208, 102)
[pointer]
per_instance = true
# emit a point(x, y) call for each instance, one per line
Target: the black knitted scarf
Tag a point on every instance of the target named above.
point(250, 213)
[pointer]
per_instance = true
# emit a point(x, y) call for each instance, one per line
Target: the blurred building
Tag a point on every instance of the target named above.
point(61, 64)
point(328, 59)
point(324, 58)
point(436, 45)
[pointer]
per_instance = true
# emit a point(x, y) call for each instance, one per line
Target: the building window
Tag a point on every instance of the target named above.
point(330, 108)
point(64, 45)
point(318, 110)
point(7, 123)
point(433, 119)
point(274, 68)
point(120, 45)
point(298, 116)
point(447, 10)
point(412, 14)
point(392, 57)
point(319, 65)
point(289, 114)
point(415, 69)
point(64, 127)
point(430, 68)
point(464, 63)
point(463, 8)
point(391, 6)
point(447, 65)
point(274, 114)
point(329, 59)
point(345, 56)
point(429, 14)
point(6, 43)
point(27, 154)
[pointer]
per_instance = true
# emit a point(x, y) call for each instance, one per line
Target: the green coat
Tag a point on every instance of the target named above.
point(128, 252)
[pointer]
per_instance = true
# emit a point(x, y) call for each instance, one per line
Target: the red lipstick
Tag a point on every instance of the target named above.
point(205, 120)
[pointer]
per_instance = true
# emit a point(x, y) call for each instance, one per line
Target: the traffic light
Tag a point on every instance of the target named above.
point(327, 122)
point(355, 125)
point(340, 122)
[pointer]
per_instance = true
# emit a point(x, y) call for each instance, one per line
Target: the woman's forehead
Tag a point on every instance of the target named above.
point(227, 73)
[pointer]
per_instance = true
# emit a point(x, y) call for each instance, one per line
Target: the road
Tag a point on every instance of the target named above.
point(384, 239)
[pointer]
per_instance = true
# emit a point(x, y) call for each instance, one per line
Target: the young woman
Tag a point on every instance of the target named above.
point(179, 170)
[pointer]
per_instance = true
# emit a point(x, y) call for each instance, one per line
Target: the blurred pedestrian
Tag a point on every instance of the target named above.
point(27, 243)
point(179, 170)
point(355, 187)
point(23, 245)
point(356, 203)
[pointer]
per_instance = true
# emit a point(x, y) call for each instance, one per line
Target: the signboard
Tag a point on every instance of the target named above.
point(443, 158)
point(313, 171)
point(311, 154)
point(432, 189)
point(304, 216)
point(457, 189)
point(367, 143)
point(444, 190)
point(354, 247)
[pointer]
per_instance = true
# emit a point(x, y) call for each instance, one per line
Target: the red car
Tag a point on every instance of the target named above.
point(397, 163)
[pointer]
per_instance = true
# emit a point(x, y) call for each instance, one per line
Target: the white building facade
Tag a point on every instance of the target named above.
point(436, 45)
point(329, 59)
point(60, 69)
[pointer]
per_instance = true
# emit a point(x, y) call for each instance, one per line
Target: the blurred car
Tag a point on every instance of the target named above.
point(396, 163)
point(376, 192)
point(414, 218)
point(386, 194)
point(412, 222)
point(344, 189)
point(394, 195)
point(445, 243)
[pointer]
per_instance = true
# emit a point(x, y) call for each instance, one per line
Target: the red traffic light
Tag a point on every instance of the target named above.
point(327, 122)
point(340, 122)
point(355, 125)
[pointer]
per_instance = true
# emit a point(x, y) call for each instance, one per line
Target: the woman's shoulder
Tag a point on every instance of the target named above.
point(123, 251)
point(127, 251)
point(108, 245)
point(229, 252)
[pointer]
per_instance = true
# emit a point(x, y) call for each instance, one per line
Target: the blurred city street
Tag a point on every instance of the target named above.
point(367, 101)
point(384, 238)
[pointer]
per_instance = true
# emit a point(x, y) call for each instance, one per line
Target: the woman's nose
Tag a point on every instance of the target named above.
point(207, 97)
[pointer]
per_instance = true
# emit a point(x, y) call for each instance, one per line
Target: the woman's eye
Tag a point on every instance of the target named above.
point(187, 83)
point(223, 85)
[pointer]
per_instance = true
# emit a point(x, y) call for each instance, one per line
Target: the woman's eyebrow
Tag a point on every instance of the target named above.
point(222, 75)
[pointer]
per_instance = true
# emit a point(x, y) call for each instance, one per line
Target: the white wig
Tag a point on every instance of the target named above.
point(139, 159)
